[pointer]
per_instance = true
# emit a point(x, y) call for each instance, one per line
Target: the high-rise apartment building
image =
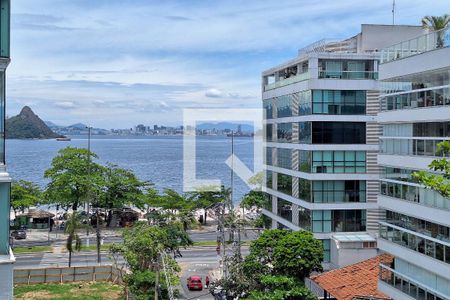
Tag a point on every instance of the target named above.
point(321, 141)
point(415, 118)
point(6, 256)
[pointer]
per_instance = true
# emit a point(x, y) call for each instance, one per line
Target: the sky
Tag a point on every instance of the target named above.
point(116, 64)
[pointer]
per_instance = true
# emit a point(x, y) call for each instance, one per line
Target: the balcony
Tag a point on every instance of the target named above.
point(407, 285)
point(348, 75)
point(418, 242)
point(415, 146)
point(287, 81)
point(421, 44)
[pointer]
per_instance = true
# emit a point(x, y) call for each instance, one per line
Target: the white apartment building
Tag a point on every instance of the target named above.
point(415, 117)
point(321, 142)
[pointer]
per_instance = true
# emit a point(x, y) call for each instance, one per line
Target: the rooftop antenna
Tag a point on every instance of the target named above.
point(393, 12)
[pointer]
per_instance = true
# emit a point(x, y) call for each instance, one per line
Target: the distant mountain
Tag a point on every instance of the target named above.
point(27, 125)
point(224, 125)
point(80, 126)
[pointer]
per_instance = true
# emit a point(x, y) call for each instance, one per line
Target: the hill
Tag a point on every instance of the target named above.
point(27, 125)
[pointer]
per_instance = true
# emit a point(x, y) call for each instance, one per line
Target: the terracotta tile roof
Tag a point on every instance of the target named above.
point(360, 279)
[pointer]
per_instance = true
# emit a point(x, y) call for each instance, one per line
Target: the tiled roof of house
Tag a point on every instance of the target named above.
point(360, 279)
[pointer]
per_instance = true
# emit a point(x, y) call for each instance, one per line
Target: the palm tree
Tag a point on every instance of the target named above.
point(73, 224)
point(437, 23)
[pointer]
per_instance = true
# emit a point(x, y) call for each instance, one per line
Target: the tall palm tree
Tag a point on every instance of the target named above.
point(437, 23)
point(73, 224)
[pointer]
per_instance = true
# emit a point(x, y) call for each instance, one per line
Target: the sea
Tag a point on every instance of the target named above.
point(158, 159)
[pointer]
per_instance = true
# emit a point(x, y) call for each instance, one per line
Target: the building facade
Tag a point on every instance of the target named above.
point(6, 256)
point(415, 118)
point(321, 140)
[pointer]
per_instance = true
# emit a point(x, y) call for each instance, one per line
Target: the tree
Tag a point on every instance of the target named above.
point(281, 288)
point(253, 199)
point(281, 252)
point(439, 182)
point(72, 177)
point(437, 23)
point(142, 248)
point(207, 197)
point(73, 224)
point(24, 194)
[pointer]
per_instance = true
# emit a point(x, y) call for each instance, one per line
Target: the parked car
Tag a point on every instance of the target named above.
point(194, 282)
point(19, 234)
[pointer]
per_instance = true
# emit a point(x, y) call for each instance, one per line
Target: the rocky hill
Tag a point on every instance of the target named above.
point(27, 125)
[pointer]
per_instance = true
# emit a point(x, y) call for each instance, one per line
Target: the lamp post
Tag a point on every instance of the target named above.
point(89, 184)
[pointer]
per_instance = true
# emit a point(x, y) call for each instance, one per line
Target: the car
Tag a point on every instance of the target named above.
point(194, 282)
point(19, 234)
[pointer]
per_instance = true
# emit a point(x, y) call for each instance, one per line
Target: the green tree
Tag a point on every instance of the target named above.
point(437, 23)
point(253, 198)
point(207, 197)
point(73, 225)
point(72, 177)
point(281, 288)
point(440, 180)
point(24, 194)
point(142, 250)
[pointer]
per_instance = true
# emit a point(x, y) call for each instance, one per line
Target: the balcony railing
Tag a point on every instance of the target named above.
point(348, 74)
point(287, 81)
point(419, 242)
point(414, 193)
point(427, 42)
point(408, 285)
point(416, 146)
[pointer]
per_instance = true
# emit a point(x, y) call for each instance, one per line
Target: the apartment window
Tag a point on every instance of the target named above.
point(304, 218)
point(284, 132)
point(304, 161)
point(326, 250)
point(338, 133)
point(432, 129)
point(268, 132)
point(339, 162)
point(304, 132)
point(269, 176)
point(339, 102)
point(284, 106)
point(321, 221)
point(369, 245)
point(268, 108)
point(284, 183)
point(346, 69)
point(269, 156)
point(336, 191)
point(304, 189)
point(284, 209)
point(304, 103)
point(349, 220)
point(284, 157)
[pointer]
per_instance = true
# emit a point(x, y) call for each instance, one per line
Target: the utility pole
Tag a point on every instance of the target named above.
point(99, 257)
point(393, 12)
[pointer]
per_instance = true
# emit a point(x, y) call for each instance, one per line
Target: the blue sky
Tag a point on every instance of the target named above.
point(114, 64)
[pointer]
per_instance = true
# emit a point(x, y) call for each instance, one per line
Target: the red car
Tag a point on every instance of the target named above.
point(194, 282)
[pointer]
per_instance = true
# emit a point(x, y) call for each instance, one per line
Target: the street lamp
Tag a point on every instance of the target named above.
point(89, 183)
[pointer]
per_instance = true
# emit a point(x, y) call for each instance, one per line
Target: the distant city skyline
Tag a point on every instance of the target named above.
point(115, 62)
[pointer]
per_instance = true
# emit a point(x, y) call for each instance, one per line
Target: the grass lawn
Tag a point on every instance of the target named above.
point(33, 249)
point(69, 291)
point(104, 247)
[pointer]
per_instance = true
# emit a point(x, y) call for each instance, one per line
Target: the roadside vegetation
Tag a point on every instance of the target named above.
point(69, 291)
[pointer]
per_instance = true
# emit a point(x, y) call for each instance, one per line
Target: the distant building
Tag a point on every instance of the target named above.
point(321, 141)
point(6, 256)
point(415, 118)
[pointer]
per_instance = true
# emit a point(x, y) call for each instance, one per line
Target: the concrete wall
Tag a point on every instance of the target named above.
point(377, 37)
point(6, 280)
point(342, 257)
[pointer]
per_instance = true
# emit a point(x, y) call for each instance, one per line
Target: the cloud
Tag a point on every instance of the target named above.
point(178, 18)
point(65, 104)
point(214, 93)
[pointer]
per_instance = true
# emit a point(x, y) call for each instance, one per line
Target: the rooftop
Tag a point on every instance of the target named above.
point(353, 237)
point(357, 280)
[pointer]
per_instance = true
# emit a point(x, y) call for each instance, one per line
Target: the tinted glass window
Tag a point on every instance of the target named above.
point(338, 133)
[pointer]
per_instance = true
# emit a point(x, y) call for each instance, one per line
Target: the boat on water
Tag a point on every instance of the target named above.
point(63, 139)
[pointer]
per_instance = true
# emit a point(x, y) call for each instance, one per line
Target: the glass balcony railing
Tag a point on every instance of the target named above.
point(348, 74)
point(287, 81)
point(427, 42)
point(416, 146)
point(419, 242)
point(414, 193)
point(408, 285)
